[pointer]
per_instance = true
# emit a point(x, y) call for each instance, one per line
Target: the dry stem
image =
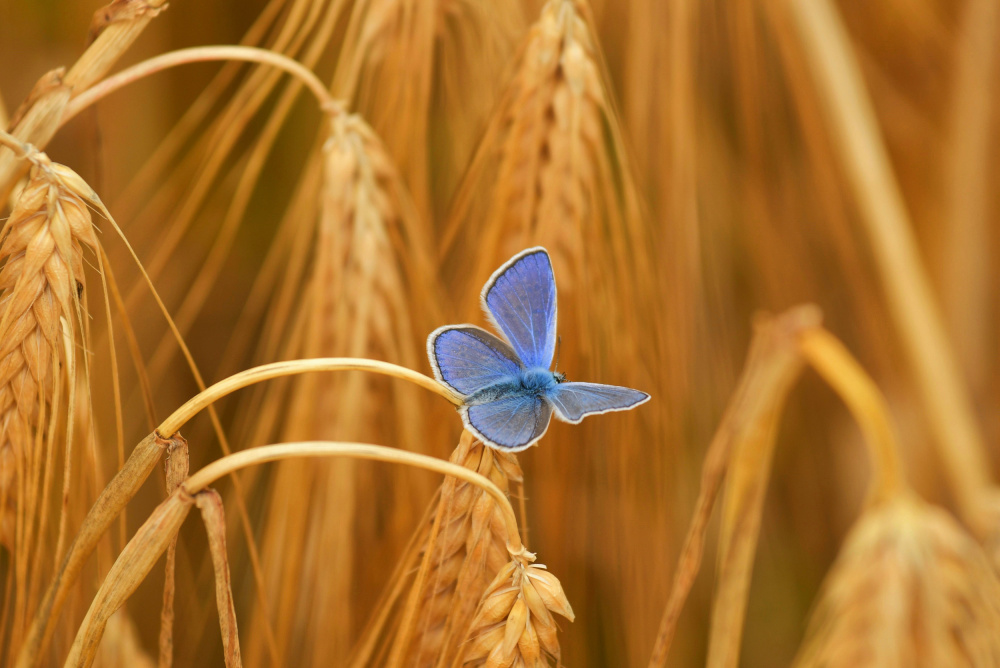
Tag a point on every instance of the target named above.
point(843, 373)
point(142, 552)
point(868, 168)
point(748, 426)
point(202, 54)
point(279, 369)
point(39, 117)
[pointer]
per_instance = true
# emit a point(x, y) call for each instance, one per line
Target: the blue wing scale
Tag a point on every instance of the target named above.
point(513, 424)
point(468, 358)
point(520, 299)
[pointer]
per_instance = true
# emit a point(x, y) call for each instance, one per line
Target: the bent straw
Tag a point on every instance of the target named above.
point(144, 550)
point(279, 369)
point(143, 459)
point(202, 54)
point(866, 164)
point(773, 365)
point(835, 364)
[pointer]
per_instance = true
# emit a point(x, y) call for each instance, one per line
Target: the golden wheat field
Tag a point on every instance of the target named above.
point(228, 229)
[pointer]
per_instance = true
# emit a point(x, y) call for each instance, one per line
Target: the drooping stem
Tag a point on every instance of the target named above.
point(201, 54)
point(143, 551)
point(143, 459)
point(279, 369)
point(13, 143)
point(868, 168)
point(270, 453)
point(842, 372)
point(749, 423)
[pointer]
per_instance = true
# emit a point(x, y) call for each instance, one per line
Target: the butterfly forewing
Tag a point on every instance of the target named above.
point(521, 299)
point(513, 423)
point(468, 358)
point(574, 401)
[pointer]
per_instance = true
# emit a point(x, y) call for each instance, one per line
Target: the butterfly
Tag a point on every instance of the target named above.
point(509, 394)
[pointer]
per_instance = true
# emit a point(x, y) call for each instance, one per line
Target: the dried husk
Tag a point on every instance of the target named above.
point(514, 625)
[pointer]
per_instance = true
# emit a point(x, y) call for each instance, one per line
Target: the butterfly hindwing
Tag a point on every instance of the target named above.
point(520, 298)
point(467, 358)
point(513, 423)
point(574, 401)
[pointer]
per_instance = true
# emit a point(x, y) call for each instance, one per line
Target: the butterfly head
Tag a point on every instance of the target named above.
point(559, 376)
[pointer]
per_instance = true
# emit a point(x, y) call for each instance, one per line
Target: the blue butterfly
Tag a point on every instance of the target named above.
point(508, 390)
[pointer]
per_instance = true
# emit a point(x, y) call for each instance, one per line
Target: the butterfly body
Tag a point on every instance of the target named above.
point(532, 382)
point(509, 394)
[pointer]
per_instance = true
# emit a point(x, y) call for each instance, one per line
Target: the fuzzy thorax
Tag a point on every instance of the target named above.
point(530, 383)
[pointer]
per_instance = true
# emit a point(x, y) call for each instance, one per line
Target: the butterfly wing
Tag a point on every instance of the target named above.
point(513, 423)
point(574, 401)
point(467, 358)
point(520, 299)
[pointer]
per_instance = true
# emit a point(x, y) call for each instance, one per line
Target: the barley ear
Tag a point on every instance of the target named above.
point(909, 588)
point(463, 551)
point(514, 624)
point(42, 328)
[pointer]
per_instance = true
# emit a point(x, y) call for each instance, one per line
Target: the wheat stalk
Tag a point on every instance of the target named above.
point(741, 447)
point(368, 268)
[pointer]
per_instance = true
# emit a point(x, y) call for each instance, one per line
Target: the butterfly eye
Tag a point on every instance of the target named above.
point(559, 376)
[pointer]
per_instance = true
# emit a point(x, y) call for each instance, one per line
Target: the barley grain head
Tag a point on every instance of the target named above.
point(470, 547)
point(909, 588)
point(514, 625)
point(43, 385)
point(369, 267)
point(41, 280)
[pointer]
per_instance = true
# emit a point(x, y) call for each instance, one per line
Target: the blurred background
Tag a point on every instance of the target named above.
point(681, 166)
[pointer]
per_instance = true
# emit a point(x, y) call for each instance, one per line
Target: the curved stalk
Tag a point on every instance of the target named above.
point(278, 369)
point(143, 551)
point(19, 148)
point(196, 55)
point(841, 371)
point(855, 132)
point(269, 453)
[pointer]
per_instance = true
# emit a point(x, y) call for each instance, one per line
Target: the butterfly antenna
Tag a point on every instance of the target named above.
point(558, 350)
